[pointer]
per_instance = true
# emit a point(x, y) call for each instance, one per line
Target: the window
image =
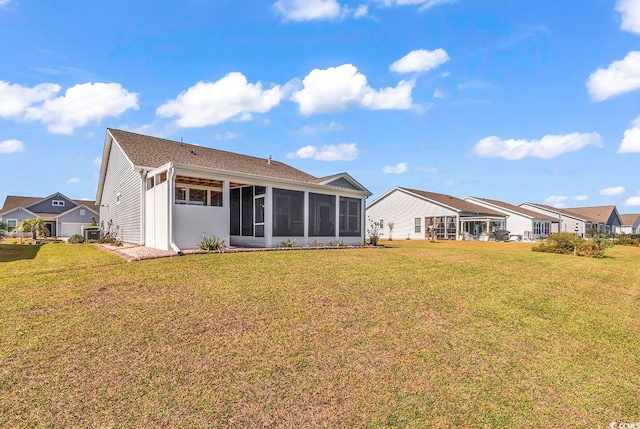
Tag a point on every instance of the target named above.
point(350, 218)
point(162, 177)
point(181, 195)
point(441, 228)
point(541, 228)
point(247, 211)
point(322, 215)
point(381, 224)
point(11, 224)
point(417, 225)
point(197, 197)
point(57, 203)
point(118, 198)
point(149, 183)
point(234, 208)
point(82, 212)
point(259, 216)
point(288, 213)
point(216, 198)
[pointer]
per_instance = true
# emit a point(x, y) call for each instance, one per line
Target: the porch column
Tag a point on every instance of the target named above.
point(268, 217)
point(226, 204)
point(488, 228)
point(305, 217)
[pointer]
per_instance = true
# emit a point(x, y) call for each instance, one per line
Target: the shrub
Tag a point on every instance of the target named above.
point(627, 240)
point(374, 232)
point(212, 243)
point(567, 243)
point(317, 243)
point(288, 243)
point(76, 238)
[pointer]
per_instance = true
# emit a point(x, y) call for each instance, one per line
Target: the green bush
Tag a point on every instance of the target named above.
point(212, 243)
point(76, 238)
point(288, 243)
point(627, 240)
point(567, 243)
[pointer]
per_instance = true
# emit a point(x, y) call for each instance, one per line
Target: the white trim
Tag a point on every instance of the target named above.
point(19, 208)
point(78, 207)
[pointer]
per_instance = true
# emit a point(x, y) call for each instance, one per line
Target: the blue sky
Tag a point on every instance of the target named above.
point(517, 101)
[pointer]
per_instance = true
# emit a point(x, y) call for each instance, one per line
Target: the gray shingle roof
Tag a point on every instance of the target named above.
point(456, 203)
point(13, 201)
point(147, 151)
point(517, 209)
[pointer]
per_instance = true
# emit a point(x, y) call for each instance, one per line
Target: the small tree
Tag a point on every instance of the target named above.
point(391, 225)
point(34, 226)
point(3, 230)
point(374, 232)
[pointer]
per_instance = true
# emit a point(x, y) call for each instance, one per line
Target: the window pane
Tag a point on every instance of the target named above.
point(247, 211)
point(259, 207)
point(322, 215)
point(197, 197)
point(259, 230)
point(260, 190)
point(350, 219)
point(416, 223)
point(234, 208)
point(288, 213)
point(11, 224)
point(216, 198)
point(181, 195)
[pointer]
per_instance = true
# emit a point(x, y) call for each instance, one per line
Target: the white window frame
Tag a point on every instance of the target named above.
point(57, 203)
point(83, 212)
point(187, 200)
point(9, 227)
point(118, 198)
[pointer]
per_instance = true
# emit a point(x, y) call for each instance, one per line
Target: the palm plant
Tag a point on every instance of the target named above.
point(35, 226)
point(3, 230)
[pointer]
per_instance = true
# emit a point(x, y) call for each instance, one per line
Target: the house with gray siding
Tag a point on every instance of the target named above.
point(169, 195)
point(630, 224)
point(62, 216)
point(415, 213)
point(580, 220)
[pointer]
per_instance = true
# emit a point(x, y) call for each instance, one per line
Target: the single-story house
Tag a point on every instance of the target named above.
point(520, 221)
point(62, 216)
point(414, 212)
point(580, 220)
point(630, 224)
point(168, 195)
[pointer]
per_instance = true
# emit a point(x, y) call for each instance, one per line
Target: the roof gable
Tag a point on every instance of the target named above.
point(515, 209)
point(596, 214)
point(461, 206)
point(14, 201)
point(629, 219)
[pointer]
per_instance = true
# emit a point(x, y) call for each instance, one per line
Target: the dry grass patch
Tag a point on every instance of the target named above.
point(419, 335)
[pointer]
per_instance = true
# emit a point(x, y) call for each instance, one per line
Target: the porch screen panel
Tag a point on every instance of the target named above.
point(440, 227)
point(350, 218)
point(288, 213)
point(451, 227)
point(247, 211)
point(322, 215)
point(234, 209)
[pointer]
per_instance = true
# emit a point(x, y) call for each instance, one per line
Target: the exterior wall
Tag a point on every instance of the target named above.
point(342, 183)
point(191, 223)
point(18, 215)
point(74, 222)
point(613, 223)
point(76, 217)
point(567, 223)
point(160, 213)
point(47, 206)
point(402, 209)
point(627, 229)
point(121, 178)
point(516, 223)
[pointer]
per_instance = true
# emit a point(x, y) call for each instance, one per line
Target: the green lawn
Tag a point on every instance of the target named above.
point(418, 335)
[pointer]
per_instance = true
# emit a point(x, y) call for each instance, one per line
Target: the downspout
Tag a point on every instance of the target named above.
point(172, 189)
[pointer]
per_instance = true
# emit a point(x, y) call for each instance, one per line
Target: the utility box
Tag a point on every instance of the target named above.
point(91, 234)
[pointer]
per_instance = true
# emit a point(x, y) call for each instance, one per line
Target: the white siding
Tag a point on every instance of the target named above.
point(567, 223)
point(517, 223)
point(121, 178)
point(161, 216)
point(402, 209)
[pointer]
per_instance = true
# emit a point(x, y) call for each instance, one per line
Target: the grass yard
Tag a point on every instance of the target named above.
point(460, 334)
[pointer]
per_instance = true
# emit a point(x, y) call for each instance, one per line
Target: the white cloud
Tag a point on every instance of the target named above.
point(556, 200)
point(616, 190)
point(438, 94)
point(620, 77)
point(211, 103)
point(309, 10)
point(631, 139)
point(395, 169)
point(630, 10)
point(341, 152)
point(430, 170)
point(633, 201)
point(227, 135)
point(4, 2)
point(79, 105)
point(73, 180)
point(337, 88)
point(317, 129)
point(581, 197)
point(445, 74)
point(11, 146)
point(361, 11)
point(424, 4)
point(548, 146)
point(420, 60)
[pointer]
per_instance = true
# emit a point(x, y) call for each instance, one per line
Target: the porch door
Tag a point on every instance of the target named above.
point(258, 215)
point(51, 227)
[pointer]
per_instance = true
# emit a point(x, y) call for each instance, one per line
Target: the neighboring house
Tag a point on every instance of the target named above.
point(413, 212)
point(521, 221)
point(630, 224)
point(580, 220)
point(62, 216)
point(168, 195)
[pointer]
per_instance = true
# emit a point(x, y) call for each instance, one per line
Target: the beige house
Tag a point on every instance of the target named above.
point(630, 224)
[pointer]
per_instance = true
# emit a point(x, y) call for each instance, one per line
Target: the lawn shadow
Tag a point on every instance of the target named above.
point(17, 252)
